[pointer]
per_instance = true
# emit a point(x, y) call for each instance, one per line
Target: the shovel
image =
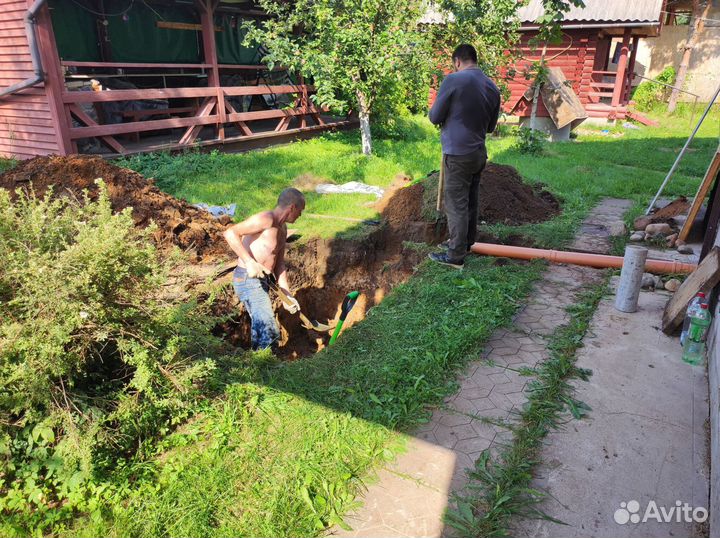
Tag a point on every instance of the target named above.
point(347, 305)
point(307, 323)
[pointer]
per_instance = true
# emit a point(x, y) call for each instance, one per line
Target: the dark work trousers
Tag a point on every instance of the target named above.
point(462, 180)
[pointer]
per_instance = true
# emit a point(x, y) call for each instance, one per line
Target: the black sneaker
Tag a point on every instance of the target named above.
point(443, 258)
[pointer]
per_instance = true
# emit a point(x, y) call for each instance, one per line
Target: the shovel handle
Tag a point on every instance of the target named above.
point(441, 184)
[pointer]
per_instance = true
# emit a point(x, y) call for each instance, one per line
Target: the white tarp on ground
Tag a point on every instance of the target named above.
point(353, 187)
point(217, 210)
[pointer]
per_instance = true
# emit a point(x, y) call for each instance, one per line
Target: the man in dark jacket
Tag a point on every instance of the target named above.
point(466, 108)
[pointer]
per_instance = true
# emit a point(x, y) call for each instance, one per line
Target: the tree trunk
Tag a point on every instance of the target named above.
point(697, 23)
point(364, 114)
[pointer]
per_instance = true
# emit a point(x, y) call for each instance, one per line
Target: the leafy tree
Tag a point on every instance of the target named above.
point(360, 54)
point(376, 56)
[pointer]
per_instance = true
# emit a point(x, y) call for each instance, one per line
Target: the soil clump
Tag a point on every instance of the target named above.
point(179, 224)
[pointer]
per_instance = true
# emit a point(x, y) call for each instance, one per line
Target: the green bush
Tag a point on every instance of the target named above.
point(530, 141)
point(95, 360)
point(649, 93)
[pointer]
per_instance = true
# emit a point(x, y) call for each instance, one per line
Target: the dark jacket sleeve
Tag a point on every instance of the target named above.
point(492, 123)
point(441, 106)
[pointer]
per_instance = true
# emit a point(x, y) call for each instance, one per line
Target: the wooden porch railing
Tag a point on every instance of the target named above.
point(215, 109)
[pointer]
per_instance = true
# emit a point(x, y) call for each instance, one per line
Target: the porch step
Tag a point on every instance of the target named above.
point(642, 119)
point(609, 85)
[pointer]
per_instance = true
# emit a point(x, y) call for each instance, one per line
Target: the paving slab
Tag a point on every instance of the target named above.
point(643, 441)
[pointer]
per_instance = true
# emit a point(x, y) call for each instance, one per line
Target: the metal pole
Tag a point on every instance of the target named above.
point(682, 151)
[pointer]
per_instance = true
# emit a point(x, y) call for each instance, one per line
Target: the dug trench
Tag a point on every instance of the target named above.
point(321, 271)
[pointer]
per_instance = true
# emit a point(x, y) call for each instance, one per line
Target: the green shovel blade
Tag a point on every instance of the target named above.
point(347, 306)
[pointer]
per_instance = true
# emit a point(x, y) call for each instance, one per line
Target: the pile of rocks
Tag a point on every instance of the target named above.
point(655, 282)
point(660, 232)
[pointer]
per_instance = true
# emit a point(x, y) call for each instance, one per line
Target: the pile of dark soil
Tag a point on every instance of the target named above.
point(179, 224)
point(503, 198)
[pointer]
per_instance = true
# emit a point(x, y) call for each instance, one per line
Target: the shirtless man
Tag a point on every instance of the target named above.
point(259, 243)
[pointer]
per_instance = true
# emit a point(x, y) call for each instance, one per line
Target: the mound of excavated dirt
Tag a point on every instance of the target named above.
point(179, 223)
point(503, 198)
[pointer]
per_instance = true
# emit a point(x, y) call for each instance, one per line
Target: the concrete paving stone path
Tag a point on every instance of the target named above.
point(644, 440)
point(413, 492)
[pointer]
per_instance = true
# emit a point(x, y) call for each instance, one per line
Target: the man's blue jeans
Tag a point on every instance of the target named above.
point(254, 295)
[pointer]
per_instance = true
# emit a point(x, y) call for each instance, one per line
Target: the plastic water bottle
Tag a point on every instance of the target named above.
point(694, 348)
point(694, 305)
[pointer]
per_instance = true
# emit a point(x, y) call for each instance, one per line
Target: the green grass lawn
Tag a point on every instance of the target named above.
point(285, 450)
point(624, 163)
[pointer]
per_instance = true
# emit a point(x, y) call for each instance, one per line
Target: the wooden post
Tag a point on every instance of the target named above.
point(631, 70)
point(207, 9)
point(712, 219)
point(54, 81)
point(619, 88)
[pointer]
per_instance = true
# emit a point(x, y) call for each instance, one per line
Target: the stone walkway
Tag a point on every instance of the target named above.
point(412, 493)
point(644, 440)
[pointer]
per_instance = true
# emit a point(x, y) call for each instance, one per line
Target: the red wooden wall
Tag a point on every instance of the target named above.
point(27, 125)
point(575, 56)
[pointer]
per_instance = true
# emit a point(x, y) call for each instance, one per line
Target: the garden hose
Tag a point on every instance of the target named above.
point(347, 305)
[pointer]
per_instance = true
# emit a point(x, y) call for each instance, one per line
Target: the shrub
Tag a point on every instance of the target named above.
point(530, 141)
point(649, 93)
point(94, 361)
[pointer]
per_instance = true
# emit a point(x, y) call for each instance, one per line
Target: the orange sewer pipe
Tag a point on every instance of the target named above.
point(577, 258)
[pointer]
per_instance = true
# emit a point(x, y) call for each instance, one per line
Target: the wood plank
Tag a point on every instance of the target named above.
point(204, 111)
point(14, 41)
point(13, 33)
point(8, 49)
point(128, 65)
point(244, 129)
point(23, 145)
point(712, 220)
point(264, 90)
point(79, 113)
point(14, 113)
point(26, 131)
point(24, 106)
point(272, 114)
point(168, 25)
point(39, 122)
point(33, 138)
point(16, 57)
point(253, 67)
point(703, 279)
point(134, 95)
point(241, 138)
point(702, 191)
point(33, 135)
point(140, 126)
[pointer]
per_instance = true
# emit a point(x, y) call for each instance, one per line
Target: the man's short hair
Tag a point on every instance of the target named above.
point(291, 196)
point(465, 53)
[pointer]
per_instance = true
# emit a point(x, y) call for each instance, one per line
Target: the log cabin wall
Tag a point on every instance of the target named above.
point(576, 56)
point(27, 119)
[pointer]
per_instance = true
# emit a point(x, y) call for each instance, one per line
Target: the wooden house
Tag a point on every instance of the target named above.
point(128, 76)
point(596, 55)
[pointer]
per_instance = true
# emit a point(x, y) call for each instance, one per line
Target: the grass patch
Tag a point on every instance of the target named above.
point(500, 487)
point(6, 164)
point(623, 163)
point(285, 451)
